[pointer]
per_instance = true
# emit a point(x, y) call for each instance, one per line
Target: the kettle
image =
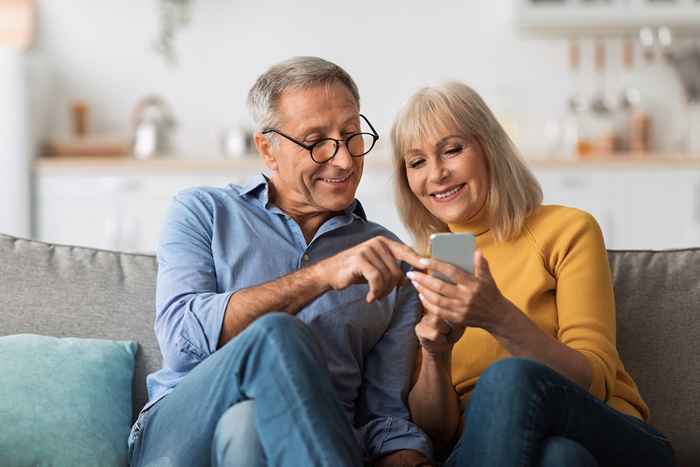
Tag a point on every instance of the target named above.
point(152, 122)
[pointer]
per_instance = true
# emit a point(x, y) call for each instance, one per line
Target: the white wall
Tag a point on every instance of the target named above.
point(15, 145)
point(101, 51)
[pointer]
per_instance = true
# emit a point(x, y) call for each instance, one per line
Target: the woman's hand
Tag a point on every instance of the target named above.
point(436, 336)
point(473, 300)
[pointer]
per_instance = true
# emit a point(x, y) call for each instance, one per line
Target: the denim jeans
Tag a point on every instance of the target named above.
point(277, 362)
point(236, 442)
point(522, 413)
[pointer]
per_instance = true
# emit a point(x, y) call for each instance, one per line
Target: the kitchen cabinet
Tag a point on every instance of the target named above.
point(614, 17)
point(637, 208)
point(115, 211)
point(638, 205)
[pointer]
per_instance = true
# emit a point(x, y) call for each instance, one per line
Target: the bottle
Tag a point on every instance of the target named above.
point(601, 116)
point(573, 133)
point(640, 131)
point(79, 118)
point(634, 125)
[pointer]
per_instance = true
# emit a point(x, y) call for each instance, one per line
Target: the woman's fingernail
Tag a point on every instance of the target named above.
point(424, 262)
point(411, 275)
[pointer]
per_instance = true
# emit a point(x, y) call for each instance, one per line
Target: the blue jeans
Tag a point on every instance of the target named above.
point(522, 413)
point(236, 442)
point(277, 362)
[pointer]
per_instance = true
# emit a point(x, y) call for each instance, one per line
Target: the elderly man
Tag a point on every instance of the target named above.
point(282, 292)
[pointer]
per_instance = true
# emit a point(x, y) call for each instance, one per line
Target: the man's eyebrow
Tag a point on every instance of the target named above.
point(321, 128)
point(310, 129)
point(352, 119)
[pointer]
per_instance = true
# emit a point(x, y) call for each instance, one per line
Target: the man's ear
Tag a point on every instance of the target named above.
point(265, 149)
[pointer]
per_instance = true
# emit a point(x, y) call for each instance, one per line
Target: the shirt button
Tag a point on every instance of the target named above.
point(306, 257)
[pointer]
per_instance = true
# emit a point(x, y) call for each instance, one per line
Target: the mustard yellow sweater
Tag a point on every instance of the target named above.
point(556, 272)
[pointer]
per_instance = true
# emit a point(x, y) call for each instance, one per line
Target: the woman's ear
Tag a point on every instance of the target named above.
point(264, 147)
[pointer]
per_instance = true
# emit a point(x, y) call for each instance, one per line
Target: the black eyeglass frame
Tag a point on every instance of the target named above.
point(310, 147)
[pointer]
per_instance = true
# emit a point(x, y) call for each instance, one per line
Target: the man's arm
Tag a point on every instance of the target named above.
point(193, 318)
point(373, 261)
point(189, 307)
point(289, 293)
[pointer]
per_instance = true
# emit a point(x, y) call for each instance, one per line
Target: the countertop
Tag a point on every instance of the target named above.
point(204, 165)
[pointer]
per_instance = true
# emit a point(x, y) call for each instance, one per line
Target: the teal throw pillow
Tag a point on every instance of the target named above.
point(64, 401)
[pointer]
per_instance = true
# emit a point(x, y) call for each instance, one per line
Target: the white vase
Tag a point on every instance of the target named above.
point(692, 117)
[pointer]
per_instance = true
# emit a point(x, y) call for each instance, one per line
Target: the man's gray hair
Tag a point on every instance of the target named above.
point(297, 73)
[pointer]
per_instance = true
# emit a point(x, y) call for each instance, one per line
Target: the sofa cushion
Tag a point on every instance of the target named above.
point(68, 291)
point(64, 401)
point(658, 336)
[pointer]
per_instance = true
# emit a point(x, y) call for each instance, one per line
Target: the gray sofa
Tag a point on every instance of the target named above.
point(81, 292)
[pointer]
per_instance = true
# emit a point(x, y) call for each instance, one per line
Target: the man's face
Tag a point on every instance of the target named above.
point(303, 186)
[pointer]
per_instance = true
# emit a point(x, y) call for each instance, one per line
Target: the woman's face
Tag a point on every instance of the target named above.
point(448, 175)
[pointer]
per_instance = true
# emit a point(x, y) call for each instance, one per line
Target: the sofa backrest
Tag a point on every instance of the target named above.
point(82, 292)
point(68, 291)
point(658, 336)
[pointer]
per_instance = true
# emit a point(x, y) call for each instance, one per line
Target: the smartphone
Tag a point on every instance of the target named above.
point(454, 248)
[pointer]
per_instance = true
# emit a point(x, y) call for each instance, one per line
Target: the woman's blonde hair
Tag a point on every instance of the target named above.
point(514, 193)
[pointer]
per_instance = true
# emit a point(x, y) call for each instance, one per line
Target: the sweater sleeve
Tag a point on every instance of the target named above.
point(585, 299)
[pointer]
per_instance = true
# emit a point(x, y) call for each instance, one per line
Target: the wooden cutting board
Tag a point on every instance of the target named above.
point(16, 23)
point(87, 146)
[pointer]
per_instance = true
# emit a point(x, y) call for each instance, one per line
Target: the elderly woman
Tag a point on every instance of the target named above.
point(518, 364)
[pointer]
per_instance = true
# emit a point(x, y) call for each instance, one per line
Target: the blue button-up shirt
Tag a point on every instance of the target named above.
point(216, 241)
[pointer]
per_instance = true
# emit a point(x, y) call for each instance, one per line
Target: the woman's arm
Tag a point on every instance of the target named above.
point(584, 346)
point(523, 338)
point(475, 300)
point(433, 401)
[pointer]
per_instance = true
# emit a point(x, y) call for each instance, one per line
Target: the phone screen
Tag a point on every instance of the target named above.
point(454, 248)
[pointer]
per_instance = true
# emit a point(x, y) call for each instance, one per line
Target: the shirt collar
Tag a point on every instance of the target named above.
point(258, 188)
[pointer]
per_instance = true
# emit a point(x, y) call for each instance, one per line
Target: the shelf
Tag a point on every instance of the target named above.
point(567, 18)
point(620, 161)
point(128, 164)
point(164, 166)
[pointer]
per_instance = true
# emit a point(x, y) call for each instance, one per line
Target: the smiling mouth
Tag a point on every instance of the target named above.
point(337, 179)
point(448, 194)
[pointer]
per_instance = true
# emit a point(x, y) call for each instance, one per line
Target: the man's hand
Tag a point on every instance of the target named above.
point(404, 458)
point(374, 261)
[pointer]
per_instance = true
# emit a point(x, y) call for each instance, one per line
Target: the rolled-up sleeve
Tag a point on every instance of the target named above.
point(383, 416)
point(189, 310)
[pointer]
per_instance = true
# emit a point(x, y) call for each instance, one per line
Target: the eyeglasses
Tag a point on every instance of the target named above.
point(323, 150)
